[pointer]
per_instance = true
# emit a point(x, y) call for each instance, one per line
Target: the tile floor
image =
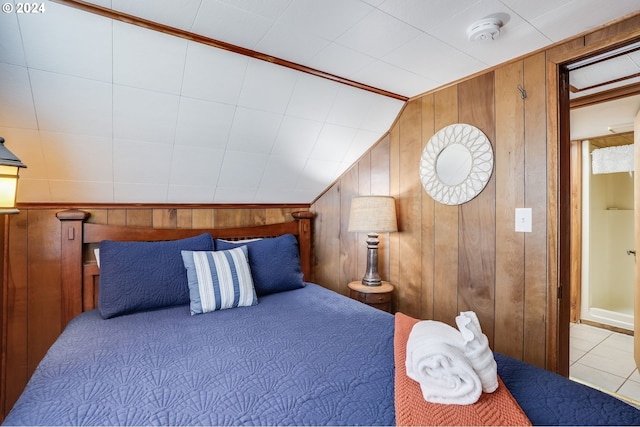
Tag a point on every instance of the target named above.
point(604, 360)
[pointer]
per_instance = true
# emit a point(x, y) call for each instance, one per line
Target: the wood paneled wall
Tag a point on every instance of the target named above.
point(32, 309)
point(447, 259)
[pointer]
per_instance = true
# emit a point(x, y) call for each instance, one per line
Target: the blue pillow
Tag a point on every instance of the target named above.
point(137, 276)
point(274, 262)
point(219, 280)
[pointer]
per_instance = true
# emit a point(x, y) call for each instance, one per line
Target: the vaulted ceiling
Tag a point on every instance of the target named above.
point(103, 109)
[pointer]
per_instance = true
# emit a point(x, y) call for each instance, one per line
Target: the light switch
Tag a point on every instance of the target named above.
point(523, 220)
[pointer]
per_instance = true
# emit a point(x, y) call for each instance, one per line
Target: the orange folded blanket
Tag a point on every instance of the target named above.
point(492, 409)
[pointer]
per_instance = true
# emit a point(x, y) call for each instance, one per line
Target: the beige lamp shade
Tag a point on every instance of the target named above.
point(373, 214)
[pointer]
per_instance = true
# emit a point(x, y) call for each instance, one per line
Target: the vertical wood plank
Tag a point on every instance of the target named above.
point(237, 217)
point(117, 217)
point(380, 167)
point(326, 238)
point(379, 178)
point(364, 175)
point(165, 218)
point(476, 269)
point(98, 216)
point(348, 241)
point(43, 270)
point(202, 218)
point(278, 215)
point(536, 196)
point(17, 346)
point(552, 207)
point(184, 218)
point(228, 218)
point(509, 173)
point(445, 271)
point(428, 219)
point(394, 191)
point(364, 189)
point(140, 217)
point(409, 213)
point(4, 268)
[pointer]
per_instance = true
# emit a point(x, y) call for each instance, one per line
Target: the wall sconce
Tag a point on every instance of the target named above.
point(9, 168)
point(372, 215)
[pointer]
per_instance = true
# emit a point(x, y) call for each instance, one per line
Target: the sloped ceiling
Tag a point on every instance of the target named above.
point(104, 111)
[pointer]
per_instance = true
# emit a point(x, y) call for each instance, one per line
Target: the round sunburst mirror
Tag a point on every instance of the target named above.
point(456, 164)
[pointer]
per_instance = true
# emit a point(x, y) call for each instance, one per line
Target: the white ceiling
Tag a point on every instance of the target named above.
point(604, 119)
point(104, 111)
point(593, 76)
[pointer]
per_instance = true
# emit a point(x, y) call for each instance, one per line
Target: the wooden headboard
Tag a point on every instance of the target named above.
point(79, 276)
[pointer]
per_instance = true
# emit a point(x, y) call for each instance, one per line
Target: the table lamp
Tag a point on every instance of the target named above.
point(372, 215)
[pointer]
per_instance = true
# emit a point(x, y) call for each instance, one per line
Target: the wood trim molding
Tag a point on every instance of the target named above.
point(576, 230)
point(176, 32)
point(61, 205)
point(4, 318)
point(605, 96)
point(605, 83)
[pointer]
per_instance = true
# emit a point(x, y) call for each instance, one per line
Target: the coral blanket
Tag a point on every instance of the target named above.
point(497, 408)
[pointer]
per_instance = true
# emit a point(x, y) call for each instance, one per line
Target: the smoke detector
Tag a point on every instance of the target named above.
point(484, 30)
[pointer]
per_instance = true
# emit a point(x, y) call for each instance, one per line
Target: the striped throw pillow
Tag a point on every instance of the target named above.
point(219, 280)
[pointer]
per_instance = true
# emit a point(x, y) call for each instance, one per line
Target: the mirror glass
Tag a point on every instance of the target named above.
point(453, 164)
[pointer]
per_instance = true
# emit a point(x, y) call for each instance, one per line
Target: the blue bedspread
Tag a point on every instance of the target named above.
point(302, 357)
point(551, 399)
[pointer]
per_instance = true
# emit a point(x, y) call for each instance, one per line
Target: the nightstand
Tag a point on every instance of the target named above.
point(375, 296)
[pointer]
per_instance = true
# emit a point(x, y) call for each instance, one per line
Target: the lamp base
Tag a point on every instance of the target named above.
point(371, 277)
point(371, 282)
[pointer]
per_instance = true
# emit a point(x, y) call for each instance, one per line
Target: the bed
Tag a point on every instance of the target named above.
point(294, 353)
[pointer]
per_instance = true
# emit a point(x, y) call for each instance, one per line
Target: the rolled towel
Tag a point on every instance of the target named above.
point(436, 361)
point(476, 349)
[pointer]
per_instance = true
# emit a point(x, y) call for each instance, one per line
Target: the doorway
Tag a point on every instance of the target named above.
point(606, 88)
point(596, 199)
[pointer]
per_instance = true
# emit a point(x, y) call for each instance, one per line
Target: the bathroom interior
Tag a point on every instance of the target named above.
point(601, 351)
point(608, 253)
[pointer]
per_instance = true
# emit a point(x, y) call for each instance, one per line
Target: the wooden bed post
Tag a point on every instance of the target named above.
point(304, 239)
point(71, 262)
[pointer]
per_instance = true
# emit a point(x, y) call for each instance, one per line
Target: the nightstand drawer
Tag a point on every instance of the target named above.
point(374, 296)
point(370, 298)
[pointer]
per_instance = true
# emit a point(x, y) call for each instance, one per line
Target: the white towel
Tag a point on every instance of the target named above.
point(436, 361)
point(476, 349)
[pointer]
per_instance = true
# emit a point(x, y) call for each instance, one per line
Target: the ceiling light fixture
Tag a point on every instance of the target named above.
point(484, 30)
